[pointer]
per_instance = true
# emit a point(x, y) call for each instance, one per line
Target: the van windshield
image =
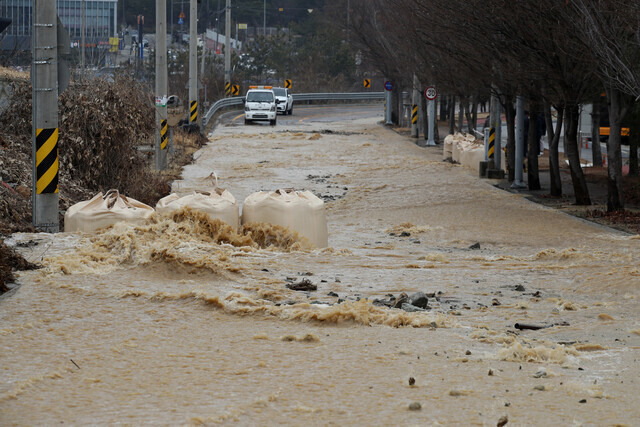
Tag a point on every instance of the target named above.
point(260, 97)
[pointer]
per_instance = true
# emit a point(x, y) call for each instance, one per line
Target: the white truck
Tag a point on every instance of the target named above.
point(260, 104)
point(285, 106)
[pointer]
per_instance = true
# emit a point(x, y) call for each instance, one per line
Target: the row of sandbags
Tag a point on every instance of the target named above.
point(466, 150)
point(300, 211)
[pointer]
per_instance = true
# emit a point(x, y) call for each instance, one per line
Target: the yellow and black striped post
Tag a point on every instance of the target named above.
point(164, 127)
point(193, 112)
point(492, 140)
point(227, 88)
point(47, 161)
point(414, 114)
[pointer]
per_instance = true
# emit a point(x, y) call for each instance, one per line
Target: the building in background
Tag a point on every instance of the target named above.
point(100, 23)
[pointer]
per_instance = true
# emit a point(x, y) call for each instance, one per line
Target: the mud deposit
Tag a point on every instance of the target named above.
point(183, 321)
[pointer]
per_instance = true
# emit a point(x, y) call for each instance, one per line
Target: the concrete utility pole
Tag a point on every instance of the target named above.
point(496, 124)
point(161, 85)
point(227, 43)
point(193, 63)
point(431, 112)
point(388, 107)
point(44, 81)
point(415, 133)
point(519, 169)
point(83, 30)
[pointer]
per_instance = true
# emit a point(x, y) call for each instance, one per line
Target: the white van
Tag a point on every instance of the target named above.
point(260, 104)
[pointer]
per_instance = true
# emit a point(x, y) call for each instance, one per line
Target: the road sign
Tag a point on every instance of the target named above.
point(367, 83)
point(388, 85)
point(182, 15)
point(430, 93)
point(235, 90)
point(287, 83)
point(180, 21)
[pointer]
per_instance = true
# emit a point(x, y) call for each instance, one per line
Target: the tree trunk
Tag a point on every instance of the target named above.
point(510, 117)
point(474, 114)
point(555, 186)
point(595, 133)
point(580, 188)
point(618, 107)
point(461, 107)
point(634, 140)
point(533, 142)
point(396, 99)
point(452, 115)
point(444, 108)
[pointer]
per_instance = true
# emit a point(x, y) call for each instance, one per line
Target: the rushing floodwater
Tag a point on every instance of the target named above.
point(185, 322)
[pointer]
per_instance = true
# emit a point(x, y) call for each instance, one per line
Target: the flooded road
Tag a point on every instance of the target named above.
point(185, 322)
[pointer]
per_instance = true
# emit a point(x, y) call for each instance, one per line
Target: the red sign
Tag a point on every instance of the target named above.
point(430, 93)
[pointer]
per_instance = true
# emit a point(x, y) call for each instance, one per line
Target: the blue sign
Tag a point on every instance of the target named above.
point(388, 85)
point(180, 21)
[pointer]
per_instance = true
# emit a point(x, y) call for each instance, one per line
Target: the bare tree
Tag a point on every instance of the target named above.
point(611, 31)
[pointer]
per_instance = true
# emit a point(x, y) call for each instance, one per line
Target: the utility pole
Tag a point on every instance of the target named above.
point(83, 30)
point(44, 81)
point(431, 113)
point(193, 63)
point(519, 167)
point(415, 97)
point(264, 19)
point(227, 43)
point(161, 85)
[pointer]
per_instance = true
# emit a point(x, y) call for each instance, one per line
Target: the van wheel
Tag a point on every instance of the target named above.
point(247, 121)
point(290, 112)
point(272, 122)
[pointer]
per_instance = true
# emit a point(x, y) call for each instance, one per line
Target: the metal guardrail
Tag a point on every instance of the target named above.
point(238, 100)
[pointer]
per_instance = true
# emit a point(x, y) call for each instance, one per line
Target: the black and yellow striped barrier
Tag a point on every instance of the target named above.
point(193, 112)
point(414, 114)
point(227, 88)
point(492, 141)
point(47, 161)
point(163, 134)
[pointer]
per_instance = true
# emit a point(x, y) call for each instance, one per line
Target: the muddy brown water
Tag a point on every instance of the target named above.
point(185, 323)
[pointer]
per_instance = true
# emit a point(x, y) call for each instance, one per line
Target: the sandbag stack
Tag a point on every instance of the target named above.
point(104, 210)
point(218, 203)
point(300, 211)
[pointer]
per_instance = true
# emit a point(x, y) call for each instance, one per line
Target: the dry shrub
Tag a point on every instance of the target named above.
point(10, 261)
point(101, 124)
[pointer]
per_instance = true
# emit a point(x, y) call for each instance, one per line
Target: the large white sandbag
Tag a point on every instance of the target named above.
point(300, 211)
point(447, 147)
point(455, 151)
point(472, 158)
point(217, 203)
point(103, 211)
